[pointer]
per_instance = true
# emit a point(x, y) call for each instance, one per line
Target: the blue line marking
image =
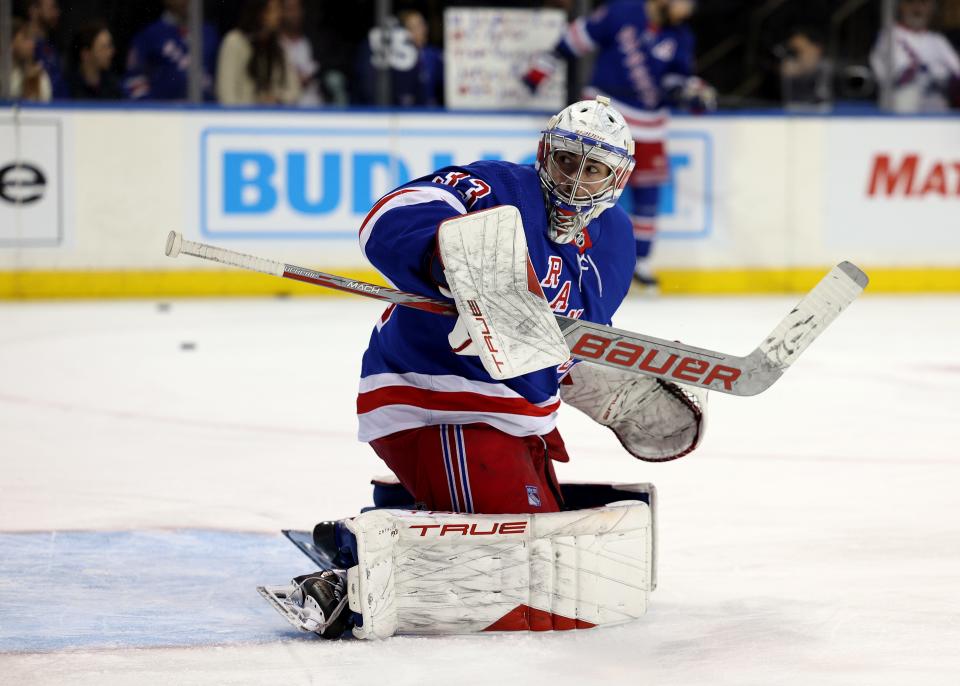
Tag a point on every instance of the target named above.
point(141, 589)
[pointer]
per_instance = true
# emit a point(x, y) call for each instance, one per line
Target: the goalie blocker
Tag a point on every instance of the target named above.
point(503, 316)
point(411, 572)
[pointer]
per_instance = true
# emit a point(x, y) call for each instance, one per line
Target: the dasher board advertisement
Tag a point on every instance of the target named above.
point(31, 188)
point(262, 178)
point(894, 189)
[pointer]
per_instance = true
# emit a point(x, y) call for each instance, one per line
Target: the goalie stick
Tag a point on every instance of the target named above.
point(648, 355)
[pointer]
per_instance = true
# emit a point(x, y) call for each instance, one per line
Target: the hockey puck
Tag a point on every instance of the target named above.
point(188, 345)
point(163, 307)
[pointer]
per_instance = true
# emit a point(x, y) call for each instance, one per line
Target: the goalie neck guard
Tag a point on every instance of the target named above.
point(584, 159)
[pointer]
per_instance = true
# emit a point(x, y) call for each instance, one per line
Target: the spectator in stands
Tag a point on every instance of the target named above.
point(29, 80)
point(93, 53)
point(950, 20)
point(43, 17)
point(159, 57)
point(922, 67)
point(299, 51)
point(252, 68)
point(416, 68)
point(339, 32)
point(429, 67)
point(805, 73)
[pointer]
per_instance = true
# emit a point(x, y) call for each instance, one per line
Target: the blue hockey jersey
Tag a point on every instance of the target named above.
point(410, 377)
point(638, 63)
point(46, 53)
point(421, 85)
point(159, 60)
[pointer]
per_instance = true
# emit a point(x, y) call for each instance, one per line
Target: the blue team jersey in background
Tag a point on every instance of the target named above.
point(421, 85)
point(159, 60)
point(410, 377)
point(46, 53)
point(637, 62)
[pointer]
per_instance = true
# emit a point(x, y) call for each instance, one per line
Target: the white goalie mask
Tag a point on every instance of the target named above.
point(584, 160)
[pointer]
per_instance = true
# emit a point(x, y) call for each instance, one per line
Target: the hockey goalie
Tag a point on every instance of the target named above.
point(476, 534)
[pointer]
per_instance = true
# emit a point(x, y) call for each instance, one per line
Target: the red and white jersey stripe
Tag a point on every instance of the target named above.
point(454, 449)
point(388, 403)
point(644, 228)
point(578, 38)
point(403, 198)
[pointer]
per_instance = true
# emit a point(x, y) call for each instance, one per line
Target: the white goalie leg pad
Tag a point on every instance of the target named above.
point(441, 573)
point(498, 294)
point(655, 420)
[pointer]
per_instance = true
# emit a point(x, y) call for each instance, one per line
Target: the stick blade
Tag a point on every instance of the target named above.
point(831, 296)
point(855, 274)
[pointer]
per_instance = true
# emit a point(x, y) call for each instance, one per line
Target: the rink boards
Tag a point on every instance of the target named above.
point(754, 204)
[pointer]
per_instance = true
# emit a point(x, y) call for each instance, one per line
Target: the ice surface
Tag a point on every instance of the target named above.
point(813, 539)
point(144, 588)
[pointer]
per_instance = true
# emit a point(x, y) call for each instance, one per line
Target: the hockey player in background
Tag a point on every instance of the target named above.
point(160, 55)
point(468, 426)
point(645, 64)
point(925, 69)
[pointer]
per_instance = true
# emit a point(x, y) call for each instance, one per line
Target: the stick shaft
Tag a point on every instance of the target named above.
point(176, 244)
point(605, 345)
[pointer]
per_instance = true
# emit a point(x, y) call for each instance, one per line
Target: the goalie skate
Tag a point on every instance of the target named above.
point(313, 603)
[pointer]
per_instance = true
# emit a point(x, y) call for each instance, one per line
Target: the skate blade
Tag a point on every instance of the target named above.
point(278, 597)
